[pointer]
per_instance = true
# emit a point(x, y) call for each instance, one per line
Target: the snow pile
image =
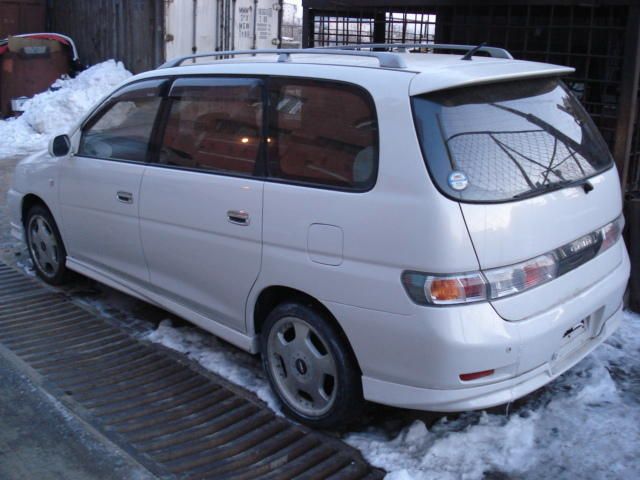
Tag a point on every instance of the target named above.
point(585, 424)
point(445, 453)
point(58, 109)
point(217, 356)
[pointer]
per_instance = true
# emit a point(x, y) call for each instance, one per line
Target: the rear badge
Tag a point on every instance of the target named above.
point(458, 180)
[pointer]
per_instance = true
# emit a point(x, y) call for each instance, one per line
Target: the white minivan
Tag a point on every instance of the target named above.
point(428, 231)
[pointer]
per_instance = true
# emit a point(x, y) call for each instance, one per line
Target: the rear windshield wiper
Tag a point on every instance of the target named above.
point(550, 187)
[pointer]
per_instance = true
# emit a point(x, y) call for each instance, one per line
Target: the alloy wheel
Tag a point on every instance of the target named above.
point(302, 367)
point(43, 246)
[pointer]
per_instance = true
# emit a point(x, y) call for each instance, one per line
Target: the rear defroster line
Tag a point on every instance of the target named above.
point(168, 414)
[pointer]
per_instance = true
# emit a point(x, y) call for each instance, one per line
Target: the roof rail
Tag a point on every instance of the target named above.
point(495, 52)
point(385, 59)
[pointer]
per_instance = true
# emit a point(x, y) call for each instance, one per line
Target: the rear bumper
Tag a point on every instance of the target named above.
point(415, 361)
point(485, 396)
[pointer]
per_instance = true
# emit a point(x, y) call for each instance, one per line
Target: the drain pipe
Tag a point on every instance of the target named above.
point(227, 21)
point(194, 47)
point(280, 16)
point(217, 26)
point(233, 23)
point(254, 43)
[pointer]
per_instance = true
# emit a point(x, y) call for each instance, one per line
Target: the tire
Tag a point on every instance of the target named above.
point(45, 246)
point(311, 367)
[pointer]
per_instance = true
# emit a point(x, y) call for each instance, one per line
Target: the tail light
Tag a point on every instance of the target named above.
point(522, 276)
point(611, 233)
point(495, 283)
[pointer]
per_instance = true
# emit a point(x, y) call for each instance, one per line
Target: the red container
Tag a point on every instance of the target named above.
point(30, 66)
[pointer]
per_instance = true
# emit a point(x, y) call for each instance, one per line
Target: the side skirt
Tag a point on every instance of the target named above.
point(240, 340)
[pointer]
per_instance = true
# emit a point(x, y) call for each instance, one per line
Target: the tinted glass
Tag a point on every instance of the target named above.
point(214, 124)
point(322, 133)
point(122, 130)
point(511, 140)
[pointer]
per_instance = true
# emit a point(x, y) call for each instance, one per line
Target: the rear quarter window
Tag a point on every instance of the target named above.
point(322, 134)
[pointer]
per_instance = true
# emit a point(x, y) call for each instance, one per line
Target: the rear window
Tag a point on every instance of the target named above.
point(505, 141)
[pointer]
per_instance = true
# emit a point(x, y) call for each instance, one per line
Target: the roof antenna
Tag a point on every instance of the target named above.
point(470, 53)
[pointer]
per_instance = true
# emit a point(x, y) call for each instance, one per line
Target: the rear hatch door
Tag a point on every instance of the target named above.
point(531, 173)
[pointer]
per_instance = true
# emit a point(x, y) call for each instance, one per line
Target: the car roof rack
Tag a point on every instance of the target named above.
point(494, 52)
point(385, 59)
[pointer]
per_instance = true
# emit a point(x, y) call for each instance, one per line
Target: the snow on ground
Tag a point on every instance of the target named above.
point(59, 108)
point(585, 424)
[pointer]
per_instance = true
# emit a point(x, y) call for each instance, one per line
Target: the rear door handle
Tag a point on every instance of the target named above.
point(238, 217)
point(125, 197)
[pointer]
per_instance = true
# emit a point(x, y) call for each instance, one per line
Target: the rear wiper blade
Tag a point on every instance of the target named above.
point(551, 187)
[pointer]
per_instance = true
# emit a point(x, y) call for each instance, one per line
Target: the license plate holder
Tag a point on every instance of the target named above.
point(572, 339)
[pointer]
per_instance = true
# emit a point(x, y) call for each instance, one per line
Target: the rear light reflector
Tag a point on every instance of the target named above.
point(466, 377)
point(611, 233)
point(522, 276)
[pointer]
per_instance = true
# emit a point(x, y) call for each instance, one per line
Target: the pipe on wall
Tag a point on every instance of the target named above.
point(233, 23)
point(280, 16)
point(254, 40)
point(194, 39)
point(217, 26)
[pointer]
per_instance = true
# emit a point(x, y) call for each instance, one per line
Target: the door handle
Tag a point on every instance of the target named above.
point(238, 217)
point(125, 197)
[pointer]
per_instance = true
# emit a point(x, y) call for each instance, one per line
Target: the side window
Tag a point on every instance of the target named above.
point(122, 129)
point(214, 124)
point(322, 133)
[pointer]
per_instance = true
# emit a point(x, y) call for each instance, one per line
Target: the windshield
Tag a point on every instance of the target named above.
point(505, 141)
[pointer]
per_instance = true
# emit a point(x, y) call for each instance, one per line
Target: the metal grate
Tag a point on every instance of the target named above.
point(408, 27)
point(634, 157)
point(172, 417)
point(397, 25)
point(342, 30)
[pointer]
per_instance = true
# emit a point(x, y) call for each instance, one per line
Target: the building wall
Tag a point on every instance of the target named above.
point(128, 30)
point(22, 16)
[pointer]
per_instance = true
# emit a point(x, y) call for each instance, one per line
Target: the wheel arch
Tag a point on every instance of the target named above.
point(28, 201)
point(272, 296)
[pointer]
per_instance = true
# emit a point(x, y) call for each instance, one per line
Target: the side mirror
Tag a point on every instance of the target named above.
point(60, 146)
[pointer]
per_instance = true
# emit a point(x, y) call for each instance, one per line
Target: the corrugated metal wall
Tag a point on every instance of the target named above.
point(209, 25)
point(129, 30)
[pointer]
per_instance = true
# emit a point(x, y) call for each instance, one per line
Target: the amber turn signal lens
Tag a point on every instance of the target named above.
point(446, 289)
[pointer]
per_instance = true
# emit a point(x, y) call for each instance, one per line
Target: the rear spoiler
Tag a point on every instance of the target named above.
point(480, 72)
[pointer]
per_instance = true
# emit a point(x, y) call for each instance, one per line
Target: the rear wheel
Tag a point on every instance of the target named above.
point(45, 246)
point(310, 367)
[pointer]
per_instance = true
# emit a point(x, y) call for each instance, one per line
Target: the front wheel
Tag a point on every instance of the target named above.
point(45, 245)
point(310, 367)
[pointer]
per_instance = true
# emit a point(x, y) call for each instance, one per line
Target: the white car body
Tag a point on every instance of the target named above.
point(174, 246)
